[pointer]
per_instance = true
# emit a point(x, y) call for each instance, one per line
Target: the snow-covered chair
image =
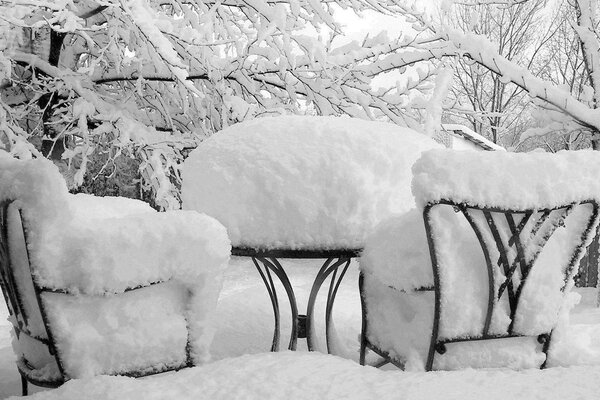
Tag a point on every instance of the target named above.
point(103, 285)
point(482, 281)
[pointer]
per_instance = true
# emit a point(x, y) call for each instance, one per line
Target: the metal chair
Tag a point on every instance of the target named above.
point(511, 242)
point(20, 317)
point(39, 311)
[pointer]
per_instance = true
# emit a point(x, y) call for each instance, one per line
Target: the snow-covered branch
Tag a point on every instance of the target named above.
point(586, 28)
point(476, 48)
point(152, 78)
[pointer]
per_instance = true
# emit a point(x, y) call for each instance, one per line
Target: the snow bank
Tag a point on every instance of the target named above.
point(303, 182)
point(96, 248)
point(288, 375)
point(508, 180)
point(396, 259)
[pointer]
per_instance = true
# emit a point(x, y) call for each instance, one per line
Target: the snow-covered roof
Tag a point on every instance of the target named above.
point(472, 136)
point(303, 182)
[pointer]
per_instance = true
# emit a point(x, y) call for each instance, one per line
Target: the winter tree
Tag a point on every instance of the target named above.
point(147, 80)
point(564, 65)
point(105, 83)
point(482, 101)
point(558, 106)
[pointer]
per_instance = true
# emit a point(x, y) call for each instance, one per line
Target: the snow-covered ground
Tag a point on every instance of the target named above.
point(241, 369)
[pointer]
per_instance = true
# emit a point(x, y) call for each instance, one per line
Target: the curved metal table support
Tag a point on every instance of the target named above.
point(335, 266)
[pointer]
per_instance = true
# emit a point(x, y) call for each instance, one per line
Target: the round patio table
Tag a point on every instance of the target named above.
point(294, 187)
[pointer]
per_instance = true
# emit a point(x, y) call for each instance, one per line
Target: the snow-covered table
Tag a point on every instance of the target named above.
point(302, 187)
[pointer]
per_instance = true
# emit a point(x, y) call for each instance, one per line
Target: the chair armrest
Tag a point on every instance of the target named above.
point(111, 255)
point(87, 206)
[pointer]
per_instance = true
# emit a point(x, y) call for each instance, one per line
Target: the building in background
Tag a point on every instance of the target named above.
point(459, 137)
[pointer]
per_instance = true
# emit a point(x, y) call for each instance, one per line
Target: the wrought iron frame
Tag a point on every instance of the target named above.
point(13, 299)
point(540, 231)
point(266, 262)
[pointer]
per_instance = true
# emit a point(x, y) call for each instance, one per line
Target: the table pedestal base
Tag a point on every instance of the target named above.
point(335, 266)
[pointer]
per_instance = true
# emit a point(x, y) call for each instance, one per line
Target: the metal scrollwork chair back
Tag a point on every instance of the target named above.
point(511, 242)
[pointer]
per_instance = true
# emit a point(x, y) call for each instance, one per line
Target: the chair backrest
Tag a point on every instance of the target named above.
point(527, 257)
point(23, 299)
point(7, 279)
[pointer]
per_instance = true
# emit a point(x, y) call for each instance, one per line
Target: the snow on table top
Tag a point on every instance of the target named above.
point(507, 180)
point(290, 375)
point(303, 182)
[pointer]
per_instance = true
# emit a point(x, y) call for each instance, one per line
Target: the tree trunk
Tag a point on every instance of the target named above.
point(596, 140)
point(51, 147)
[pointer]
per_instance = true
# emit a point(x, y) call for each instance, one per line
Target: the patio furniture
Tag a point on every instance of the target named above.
point(103, 286)
point(267, 262)
point(482, 283)
point(295, 187)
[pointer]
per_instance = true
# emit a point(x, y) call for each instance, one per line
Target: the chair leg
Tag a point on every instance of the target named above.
point(23, 386)
point(363, 328)
point(363, 348)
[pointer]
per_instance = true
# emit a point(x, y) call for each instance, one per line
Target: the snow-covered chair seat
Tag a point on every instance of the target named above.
point(482, 281)
point(103, 285)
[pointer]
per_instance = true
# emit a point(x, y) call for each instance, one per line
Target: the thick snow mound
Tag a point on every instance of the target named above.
point(89, 207)
point(113, 254)
point(507, 180)
point(303, 182)
point(287, 375)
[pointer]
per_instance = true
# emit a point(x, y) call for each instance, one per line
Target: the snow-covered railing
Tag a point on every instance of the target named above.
point(503, 236)
point(103, 285)
point(471, 136)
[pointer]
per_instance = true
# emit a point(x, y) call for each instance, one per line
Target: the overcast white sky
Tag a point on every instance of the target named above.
point(357, 27)
point(372, 22)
